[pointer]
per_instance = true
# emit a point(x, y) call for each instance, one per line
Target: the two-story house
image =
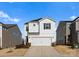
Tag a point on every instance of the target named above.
point(10, 35)
point(68, 32)
point(63, 32)
point(40, 32)
point(74, 27)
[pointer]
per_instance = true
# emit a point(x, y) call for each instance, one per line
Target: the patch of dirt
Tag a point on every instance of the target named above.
point(66, 50)
point(13, 52)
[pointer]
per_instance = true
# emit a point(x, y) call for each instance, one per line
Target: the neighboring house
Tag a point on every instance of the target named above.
point(74, 27)
point(63, 32)
point(68, 32)
point(10, 35)
point(40, 32)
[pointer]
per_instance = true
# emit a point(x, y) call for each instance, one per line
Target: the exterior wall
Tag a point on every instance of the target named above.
point(77, 25)
point(78, 36)
point(49, 32)
point(25, 31)
point(33, 27)
point(77, 30)
point(61, 32)
point(45, 33)
point(0, 35)
point(73, 33)
point(68, 32)
point(11, 37)
point(25, 34)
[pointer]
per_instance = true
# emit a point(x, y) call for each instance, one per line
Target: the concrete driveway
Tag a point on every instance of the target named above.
point(42, 51)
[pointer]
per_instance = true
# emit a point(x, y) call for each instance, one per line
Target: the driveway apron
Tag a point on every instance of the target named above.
point(42, 51)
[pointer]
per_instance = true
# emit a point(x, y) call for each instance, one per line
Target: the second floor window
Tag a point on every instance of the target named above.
point(33, 24)
point(47, 26)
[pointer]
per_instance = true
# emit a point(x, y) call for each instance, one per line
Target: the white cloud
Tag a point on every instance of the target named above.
point(73, 17)
point(4, 16)
point(16, 20)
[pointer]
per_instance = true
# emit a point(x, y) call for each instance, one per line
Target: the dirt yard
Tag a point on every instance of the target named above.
point(66, 50)
point(13, 52)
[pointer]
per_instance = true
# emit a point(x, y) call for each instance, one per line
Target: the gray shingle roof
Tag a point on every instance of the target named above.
point(7, 26)
point(76, 19)
point(34, 20)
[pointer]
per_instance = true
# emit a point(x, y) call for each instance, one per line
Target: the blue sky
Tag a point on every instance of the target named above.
point(22, 12)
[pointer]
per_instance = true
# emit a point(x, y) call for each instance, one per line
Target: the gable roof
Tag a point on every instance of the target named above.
point(66, 21)
point(76, 19)
point(33, 20)
point(2, 24)
point(36, 20)
point(13, 25)
point(8, 26)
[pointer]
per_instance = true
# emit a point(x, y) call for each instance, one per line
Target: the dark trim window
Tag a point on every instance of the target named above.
point(47, 26)
point(4, 28)
point(33, 24)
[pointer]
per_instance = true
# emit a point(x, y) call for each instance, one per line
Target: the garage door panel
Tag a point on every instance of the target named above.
point(41, 41)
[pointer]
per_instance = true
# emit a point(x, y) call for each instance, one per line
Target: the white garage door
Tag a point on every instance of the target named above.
point(40, 41)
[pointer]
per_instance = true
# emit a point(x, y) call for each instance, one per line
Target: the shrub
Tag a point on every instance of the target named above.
point(23, 46)
point(20, 46)
point(28, 45)
point(0, 48)
point(53, 44)
point(75, 45)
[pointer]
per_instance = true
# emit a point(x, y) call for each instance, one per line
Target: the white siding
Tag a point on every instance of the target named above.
point(0, 35)
point(45, 37)
point(77, 26)
point(25, 32)
point(32, 28)
point(48, 33)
